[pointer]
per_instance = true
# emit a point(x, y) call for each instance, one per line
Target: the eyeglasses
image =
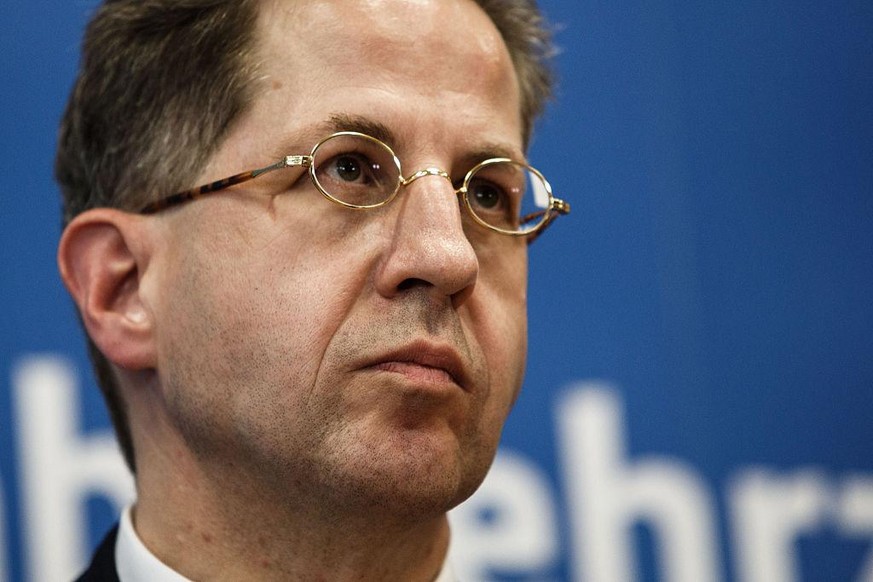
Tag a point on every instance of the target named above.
point(358, 171)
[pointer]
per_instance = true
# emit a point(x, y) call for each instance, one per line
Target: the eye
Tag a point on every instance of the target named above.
point(486, 196)
point(497, 191)
point(351, 168)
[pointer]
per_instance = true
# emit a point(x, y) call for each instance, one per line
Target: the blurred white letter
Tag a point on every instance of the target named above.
point(519, 534)
point(607, 495)
point(855, 516)
point(60, 468)
point(769, 512)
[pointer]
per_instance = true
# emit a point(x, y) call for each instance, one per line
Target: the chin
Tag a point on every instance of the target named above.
point(414, 475)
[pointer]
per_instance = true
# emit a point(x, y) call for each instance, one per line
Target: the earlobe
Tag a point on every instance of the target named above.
point(102, 258)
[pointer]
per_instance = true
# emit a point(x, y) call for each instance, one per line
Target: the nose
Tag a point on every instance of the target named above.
point(428, 245)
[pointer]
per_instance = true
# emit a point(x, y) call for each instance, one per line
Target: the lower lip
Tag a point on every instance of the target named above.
point(416, 373)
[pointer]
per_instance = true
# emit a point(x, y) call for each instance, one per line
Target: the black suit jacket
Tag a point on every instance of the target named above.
point(102, 568)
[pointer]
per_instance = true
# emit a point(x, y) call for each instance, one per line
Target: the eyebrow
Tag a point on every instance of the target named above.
point(361, 124)
point(308, 136)
point(492, 150)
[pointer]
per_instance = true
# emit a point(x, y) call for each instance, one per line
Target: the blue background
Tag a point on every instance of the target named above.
point(717, 269)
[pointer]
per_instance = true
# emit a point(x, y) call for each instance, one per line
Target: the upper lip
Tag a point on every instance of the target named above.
point(430, 354)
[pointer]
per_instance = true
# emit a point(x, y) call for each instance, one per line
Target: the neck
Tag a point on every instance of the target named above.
point(205, 544)
point(212, 523)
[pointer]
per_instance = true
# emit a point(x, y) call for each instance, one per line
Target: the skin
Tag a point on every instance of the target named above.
point(284, 358)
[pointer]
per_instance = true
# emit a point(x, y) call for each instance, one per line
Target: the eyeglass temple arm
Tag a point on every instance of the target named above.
point(224, 183)
point(556, 208)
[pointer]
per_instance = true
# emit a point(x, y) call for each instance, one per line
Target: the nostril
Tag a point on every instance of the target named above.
point(411, 283)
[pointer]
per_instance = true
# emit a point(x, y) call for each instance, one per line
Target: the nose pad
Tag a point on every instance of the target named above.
point(432, 171)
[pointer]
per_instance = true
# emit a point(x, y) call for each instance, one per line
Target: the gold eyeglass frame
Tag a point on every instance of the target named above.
point(555, 206)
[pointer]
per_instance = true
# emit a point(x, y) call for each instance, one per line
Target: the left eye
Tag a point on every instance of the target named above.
point(487, 196)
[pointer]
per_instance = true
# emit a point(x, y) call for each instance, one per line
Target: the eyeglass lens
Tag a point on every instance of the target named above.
point(356, 170)
point(507, 195)
point(362, 171)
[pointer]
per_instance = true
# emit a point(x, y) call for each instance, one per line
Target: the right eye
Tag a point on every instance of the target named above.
point(355, 173)
point(350, 168)
point(355, 170)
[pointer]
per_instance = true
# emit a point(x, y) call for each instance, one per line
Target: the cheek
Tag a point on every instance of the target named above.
point(498, 313)
point(246, 319)
point(498, 319)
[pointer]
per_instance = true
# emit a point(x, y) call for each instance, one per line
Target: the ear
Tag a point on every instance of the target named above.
point(102, 257)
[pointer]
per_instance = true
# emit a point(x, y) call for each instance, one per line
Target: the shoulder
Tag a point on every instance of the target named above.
point(102, 567)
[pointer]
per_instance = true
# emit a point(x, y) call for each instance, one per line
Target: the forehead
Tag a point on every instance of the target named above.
point(439, 65)
point(388, 29)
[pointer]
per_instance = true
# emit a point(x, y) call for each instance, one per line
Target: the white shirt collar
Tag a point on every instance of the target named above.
point(446, 574)
point(135, 563)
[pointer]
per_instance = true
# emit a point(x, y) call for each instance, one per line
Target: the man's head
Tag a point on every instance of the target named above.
point(378, 351)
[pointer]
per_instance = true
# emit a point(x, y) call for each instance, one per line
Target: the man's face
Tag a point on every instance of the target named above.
point(367, 355)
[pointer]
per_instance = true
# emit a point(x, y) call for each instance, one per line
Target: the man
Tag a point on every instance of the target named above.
point(307, 365)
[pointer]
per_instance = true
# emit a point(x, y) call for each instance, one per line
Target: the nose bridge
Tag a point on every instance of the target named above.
point(428, 242)
point(430, 198)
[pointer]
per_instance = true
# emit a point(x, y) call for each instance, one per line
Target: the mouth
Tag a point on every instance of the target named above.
point(424, 364)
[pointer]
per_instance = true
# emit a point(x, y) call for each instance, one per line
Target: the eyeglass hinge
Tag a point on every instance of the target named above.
point(561, 206)
point(297, 161)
